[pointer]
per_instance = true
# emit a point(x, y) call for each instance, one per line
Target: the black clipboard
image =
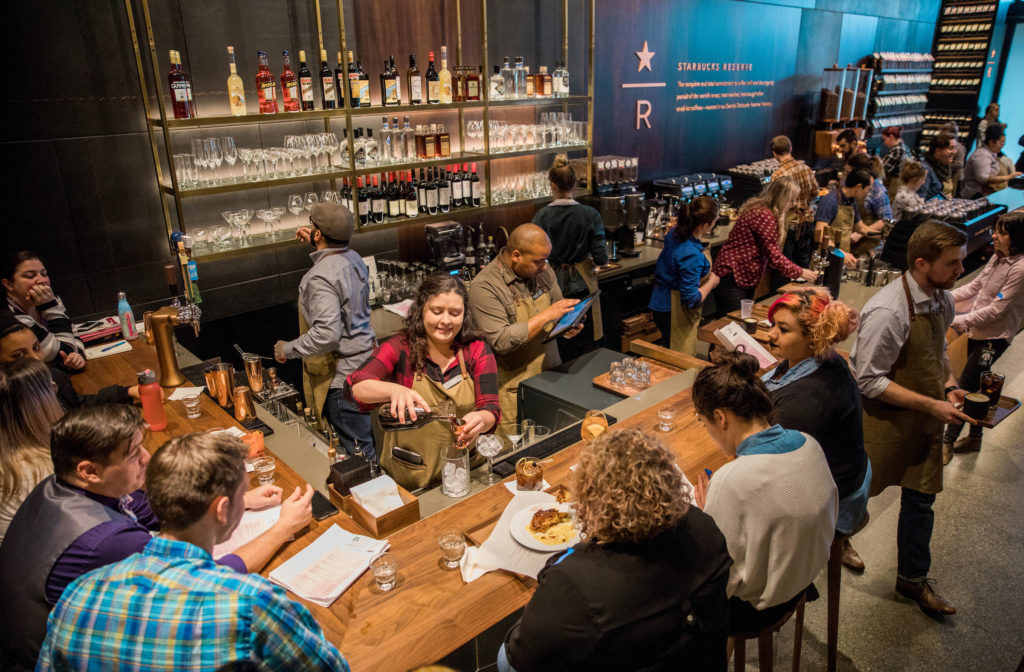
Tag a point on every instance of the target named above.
point(573, 317)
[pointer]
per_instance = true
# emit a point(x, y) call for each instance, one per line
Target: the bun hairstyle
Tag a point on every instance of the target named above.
point(871, 164)
point(822, 321)
point(691, 216)
point(732, 384)
point(561, 173)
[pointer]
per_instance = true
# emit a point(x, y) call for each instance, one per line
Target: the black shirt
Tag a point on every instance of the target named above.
point(576, 232)
point(656, 605)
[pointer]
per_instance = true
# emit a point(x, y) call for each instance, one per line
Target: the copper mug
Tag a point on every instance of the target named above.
point(244, 407)
point(224, 382)
point(254, 371)
point(210, 374)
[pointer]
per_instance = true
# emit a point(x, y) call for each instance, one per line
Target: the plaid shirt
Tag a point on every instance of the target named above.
point(172, 608)
point(802, 174)
point(893, 159)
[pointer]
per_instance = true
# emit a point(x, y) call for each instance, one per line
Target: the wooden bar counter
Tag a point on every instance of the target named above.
point(431, 612)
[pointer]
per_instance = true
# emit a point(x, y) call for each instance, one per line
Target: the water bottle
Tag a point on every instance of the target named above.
point(152, 400)
point(126, 318)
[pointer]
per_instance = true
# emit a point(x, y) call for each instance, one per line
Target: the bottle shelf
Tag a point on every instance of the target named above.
point(242, 120)
point(454, 157)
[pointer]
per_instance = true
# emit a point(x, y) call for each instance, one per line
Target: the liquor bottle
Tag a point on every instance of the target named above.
point(444, 192)
point(509, 78)
point(497, 88)
point(492, 250)
point(433, 84)
point(481, 248)
point(372, 149)
point(445, 78)
point(305, 82)
point(519, 79)
point(430, 142)
point(289, 84)
point(408, 141)
point(467, 189)
point(444, 141)
point(394, 197)
point(364, 86)
point(456, 179)
point(181, 89)
point(458, 84)
point(390, 423)
point(473, 78)
point(359, 147)
point(385, 141)
point(266, 86)
point(152, 400)
point(353, 82)
point(126, 318)
point(363, 200)
point(470, 250)
point(340, 79)
point(236, 90)
point(397, 142)
point(412, 205)
point(329, 97)
point(529, 81)
point(421, 193)
point(542, 83)
point(421, 142)
point(377, 201)
point(414, 82)
point(477, 188)
point(557, 81)
point(431, 193)
point(388, 82)
point(565, 80)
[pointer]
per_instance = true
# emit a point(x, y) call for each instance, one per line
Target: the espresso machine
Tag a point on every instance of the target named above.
point(617, 231)
point(445, 242)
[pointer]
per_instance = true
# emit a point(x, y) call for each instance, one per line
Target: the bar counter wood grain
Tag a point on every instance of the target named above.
point(431, 612)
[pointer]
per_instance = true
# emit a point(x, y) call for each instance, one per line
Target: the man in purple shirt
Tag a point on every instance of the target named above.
point(93, 512)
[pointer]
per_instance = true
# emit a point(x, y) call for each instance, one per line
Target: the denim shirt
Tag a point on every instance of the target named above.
point(790, 374)
point(772, 441)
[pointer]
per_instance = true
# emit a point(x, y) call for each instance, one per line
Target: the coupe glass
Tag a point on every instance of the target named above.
point(244, 215)
point(264, 215)
point(275, 220)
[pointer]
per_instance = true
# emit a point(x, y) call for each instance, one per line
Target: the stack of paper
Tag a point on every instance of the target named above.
point(252, 525)
point(378, 496)
point(733, 337)
point(323, 570)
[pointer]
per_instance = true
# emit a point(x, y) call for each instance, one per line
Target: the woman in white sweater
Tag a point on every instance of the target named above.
point(776, 503)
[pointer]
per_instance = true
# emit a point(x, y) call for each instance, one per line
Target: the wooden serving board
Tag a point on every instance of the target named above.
point(1003, 409)
point(609, 267)
point(659, 372)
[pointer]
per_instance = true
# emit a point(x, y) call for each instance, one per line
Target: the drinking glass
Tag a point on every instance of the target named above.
point(455, 472)
point(615, 375)
point(214, 157)
point(221, 236)
point(191, 405)
point(315, 147)
point(489, 446)
point(385, 571)
point(200, 240)
point(666, 418)
point(227, 144)
point(992, 385)
point(330, 145)
point(244, 215)
point(199, 158)
point(264, 215)
point(295, 204)
point(274, 223)
point(329, 196)
point(595, 423)
point(310, 200)
point(264, 466)
point(539, 433)
point(245, 155)
point(453, 547)
point(746, 308)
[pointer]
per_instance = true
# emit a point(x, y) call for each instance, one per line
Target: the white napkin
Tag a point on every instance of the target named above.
point(107, 349)
point(501, 551)
point(476, 562)
point(511, 485)
point(185, 393)
point(378, 496)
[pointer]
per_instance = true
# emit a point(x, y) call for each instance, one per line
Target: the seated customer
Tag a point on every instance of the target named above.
point(28, 408)
point(646, 590)
point(776, 503)
point(93, 512)
point(814, 392)
point(18, 341)
point(170, 607)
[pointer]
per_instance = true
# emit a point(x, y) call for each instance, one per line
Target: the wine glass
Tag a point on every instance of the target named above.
point(295, 204)
point(314, 147)
point(310, 200)
point(227, 144)
point(330, 144)
point(244, 215)
point(594, 424)
point(275, 218)
point(329, 196)
point(199, 158)
point(214, 156)
point(489, 446)
point(245, 155)
point(264, 215)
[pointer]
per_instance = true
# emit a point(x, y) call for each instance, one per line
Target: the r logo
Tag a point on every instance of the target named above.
point(643, 111)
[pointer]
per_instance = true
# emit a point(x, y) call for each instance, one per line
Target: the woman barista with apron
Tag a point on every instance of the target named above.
point(577, 248)
point(683, 278)
point(438, 359)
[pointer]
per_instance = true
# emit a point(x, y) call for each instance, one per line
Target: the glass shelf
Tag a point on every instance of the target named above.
point(210, 190)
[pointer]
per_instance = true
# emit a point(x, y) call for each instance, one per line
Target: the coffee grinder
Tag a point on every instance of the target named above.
point(445, 242)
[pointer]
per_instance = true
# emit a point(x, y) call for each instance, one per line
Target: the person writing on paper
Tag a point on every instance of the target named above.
point(515, 299)
point(30, 298)
point(646, 590)
point(438, 357)
point(206, 614)
point(682, 278)
point(93, 512)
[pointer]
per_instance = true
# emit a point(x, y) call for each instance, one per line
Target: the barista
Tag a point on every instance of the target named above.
point(577, 246)
point(837, 212)
point(515, 300)
point(438, 359)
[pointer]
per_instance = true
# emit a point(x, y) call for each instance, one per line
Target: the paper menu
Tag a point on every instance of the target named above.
point(327, 567)
point(252, 525)
point(732, 336)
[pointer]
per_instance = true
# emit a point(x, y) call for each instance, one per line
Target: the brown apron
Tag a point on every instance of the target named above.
point(905, 446)
point(317, 373)
point(430, 440)
point(685, 321)
point(868, 242)
point(523, 362)
point(842, 226)
point(585, 270)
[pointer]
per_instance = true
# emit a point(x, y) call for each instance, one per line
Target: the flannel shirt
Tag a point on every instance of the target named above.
point(172, 608)
point(802, 174)
point(893, 159)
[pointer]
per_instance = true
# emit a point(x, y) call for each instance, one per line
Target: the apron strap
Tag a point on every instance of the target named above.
point(462, 365)
point(910, 302)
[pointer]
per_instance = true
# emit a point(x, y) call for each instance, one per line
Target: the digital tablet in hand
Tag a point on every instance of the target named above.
point(573, 317)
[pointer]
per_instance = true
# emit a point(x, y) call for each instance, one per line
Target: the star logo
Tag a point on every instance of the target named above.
point(645, 58)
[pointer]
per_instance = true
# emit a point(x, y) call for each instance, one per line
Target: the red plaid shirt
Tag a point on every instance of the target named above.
point(753, 244)
point(390, 362)
point(802, 174)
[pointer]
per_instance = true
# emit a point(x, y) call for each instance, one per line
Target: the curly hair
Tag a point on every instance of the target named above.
point(628, 488)
point(822, 321)
point(413, 331)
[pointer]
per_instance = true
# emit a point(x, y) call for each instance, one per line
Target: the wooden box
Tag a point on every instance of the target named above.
point(390, 522)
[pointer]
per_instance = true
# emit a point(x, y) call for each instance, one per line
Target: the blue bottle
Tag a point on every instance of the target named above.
point(126, 318)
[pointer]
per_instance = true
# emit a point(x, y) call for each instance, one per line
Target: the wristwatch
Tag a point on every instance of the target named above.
point(950, 389)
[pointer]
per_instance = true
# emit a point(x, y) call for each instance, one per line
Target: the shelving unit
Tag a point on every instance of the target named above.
point(899, 91)
point(162, 125)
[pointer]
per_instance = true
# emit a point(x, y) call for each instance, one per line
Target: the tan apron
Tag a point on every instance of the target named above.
point(430, 440)
point(867, 243)
point(685, 320)
point(523, 362)
point(842, 226)
point(585, 269)
point(317, 373)
point(905, 446)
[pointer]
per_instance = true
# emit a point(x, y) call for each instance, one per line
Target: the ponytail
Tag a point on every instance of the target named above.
point(702, 210)
point(732, 385)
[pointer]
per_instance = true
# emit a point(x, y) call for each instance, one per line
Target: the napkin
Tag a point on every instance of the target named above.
point(501, 551)
point(511, 485)
point(378, 496)
point(185, 393)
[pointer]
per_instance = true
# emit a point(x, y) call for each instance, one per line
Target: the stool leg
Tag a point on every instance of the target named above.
point(798, 636)
point(739, 652)
point(765, 652)
point(835, 569)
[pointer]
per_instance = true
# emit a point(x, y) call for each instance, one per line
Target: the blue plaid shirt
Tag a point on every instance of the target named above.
point(172, 608)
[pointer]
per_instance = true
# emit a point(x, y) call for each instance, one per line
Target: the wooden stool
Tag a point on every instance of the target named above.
point(835, 575)
point(765, 641)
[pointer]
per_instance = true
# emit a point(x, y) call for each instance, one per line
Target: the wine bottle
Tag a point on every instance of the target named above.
point(181, 89)
point(266, 86)
point(492, 250)
point(236, 91)
point(305, 82)
point(394, 199)
point(445, 78)
point(431, 192)
point(456, 180)
point(289, 84)
point(353, 82)
point(467, 188)
point(421, 192)
point(444, 192)
point(414, 82)
point(412, 205)
point(400, 192)
point(390, 423)
point(364, 86)
point(339, 82)
point(363, 199)
point(470, 250)
point(433, 83)
point(377, 201)
point(387, 86)
point(328, 98)
point(477, 188)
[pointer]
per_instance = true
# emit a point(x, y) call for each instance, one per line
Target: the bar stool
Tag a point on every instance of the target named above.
point(835, 570)
point(765, 641)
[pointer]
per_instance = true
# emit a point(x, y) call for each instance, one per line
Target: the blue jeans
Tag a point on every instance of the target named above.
point(853, 507)
point(351, 425)
point(914, 535)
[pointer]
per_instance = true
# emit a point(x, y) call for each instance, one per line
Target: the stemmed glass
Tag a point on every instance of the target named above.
point(310, 200)
point(230, 155)
point(517, 431)
point(489, 446)
point(199, 157)
point(295, 204)
point(329, 196)
point(276, 213)
point(245, 155)
point(475, 130)
point(244, 215)
point(330, 144)
point(214, 157)
point(316, 148)
point(231, 217)
point(265, 216)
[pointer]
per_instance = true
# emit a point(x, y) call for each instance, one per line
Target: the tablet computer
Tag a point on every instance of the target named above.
point(573, 317)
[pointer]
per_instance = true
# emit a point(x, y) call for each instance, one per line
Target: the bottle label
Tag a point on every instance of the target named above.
point(394, 208)
point(434, 91)
point(236, 95)
point(390, 91)
point(529, 85)
point(180, 91)
point(364, 208)
point(445, 196)
point(378, 205)
point(364, 92)
point(291, 91)
point(473, 89)
point(446, 91)
point(457, 189)
point(430, 149)
point(416, 89)
point(411, 206)
point(328, 88)
point(306, 84)
point(477, 190)
point(431, 198)
point(446, 147)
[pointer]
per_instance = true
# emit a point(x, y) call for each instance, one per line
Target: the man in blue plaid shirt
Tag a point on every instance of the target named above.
point(171, 607)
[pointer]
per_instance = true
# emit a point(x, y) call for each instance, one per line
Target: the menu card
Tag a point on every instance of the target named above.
point(252, 525)
point(501, 551)
point(322, 571)
point(733, 337)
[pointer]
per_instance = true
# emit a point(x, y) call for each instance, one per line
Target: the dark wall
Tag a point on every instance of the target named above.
point(80, 184)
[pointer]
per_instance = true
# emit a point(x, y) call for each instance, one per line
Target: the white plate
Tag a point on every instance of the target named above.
point(520, 522)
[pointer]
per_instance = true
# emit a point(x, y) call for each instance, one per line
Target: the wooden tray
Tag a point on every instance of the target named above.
point(392, 521)
point(610, 267)
point(659, 372)
point(1003, 409)
point(478, 534)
